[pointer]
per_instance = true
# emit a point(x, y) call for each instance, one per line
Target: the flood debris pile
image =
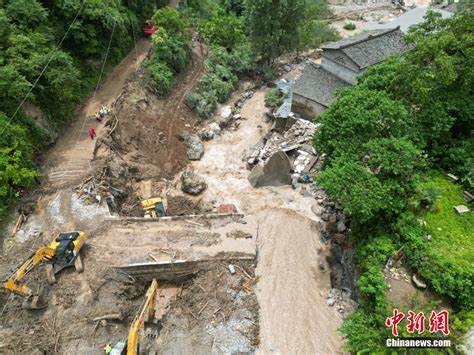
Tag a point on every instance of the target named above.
point(284, 158)
point(110, 184)
point(181, 206)
point(229, 117)
point(215, 312)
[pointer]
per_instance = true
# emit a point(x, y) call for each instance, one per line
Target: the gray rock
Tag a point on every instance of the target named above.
point(329, 204)
point(341, 227)
point(226, 112)
point(195, 146)
point(331, 302)
point(325, 216)
point(192, 183)
point(267, 117)
point(468, 197)
point(275, 172)
point(452, 178)
point(418, 283)
point(214, 127)
point(287, 68)
point(331, 227)
point(461, 209)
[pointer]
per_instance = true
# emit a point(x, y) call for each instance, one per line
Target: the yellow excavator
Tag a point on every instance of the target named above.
point(154, 207)
point(62, 252)
point(145, 314)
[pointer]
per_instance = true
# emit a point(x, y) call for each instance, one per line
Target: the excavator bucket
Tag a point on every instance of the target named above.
point(39, 301)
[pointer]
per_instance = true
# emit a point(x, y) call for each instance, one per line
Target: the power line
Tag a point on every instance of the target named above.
point(133, 31)
point(44, 69)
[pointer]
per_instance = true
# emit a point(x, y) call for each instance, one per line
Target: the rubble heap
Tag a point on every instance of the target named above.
point(295, 143)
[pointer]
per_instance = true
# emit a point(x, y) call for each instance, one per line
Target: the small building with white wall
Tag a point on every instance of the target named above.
point(341, 63)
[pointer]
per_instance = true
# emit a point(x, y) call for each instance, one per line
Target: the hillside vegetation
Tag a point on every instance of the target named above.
point(390, 140)
point(51, 55)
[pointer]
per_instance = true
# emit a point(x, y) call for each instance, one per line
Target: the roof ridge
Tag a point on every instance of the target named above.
point(346, 42)
point(369, 37)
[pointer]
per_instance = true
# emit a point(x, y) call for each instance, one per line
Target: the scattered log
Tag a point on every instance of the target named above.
point(154, 257)
point(18, 223)
point(110, 316)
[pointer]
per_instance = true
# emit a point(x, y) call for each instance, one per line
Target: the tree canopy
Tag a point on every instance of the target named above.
point(284, 26)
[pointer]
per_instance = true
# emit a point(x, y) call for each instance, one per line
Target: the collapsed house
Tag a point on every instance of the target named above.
point(341, 63)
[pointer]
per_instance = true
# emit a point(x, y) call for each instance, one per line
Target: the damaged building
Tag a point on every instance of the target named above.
point(341, 63)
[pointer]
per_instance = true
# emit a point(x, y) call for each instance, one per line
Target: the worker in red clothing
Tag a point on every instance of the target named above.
point(92, 133)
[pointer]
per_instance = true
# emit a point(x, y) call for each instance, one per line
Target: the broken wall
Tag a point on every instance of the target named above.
point(307, 109)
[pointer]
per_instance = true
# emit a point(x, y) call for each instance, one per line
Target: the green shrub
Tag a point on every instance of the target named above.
point(274, 99)
point(364, 333)
point(172, 50)
point(204, 103)
point(220, 88)
point(223, 31)
point(216, 85)
point(162, 77)
point(350, 26)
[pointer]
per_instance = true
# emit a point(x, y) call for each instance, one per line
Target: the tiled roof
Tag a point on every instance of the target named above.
point(317, 84)
point(371, 47)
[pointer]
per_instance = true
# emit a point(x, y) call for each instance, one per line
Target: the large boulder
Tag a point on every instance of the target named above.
point(195, 146)
point(226, 112)
point(275, 172)
point(192, 183)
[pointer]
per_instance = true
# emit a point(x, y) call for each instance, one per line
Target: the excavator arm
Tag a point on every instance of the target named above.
point(145, 312)
point(13, 281)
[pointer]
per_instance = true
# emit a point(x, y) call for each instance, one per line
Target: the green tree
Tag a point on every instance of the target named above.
point(224, 31)
point(358, 115)
point(28, 14)
point(273, 26)
point(169, 19)
point(314, 29)
point(12, 86)
point(162, 77)
point(171, 50)
point(234, 7)
point(16, 168)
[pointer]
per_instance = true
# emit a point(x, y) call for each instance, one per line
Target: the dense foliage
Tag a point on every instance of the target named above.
point(171, 49)
point(404, 118)
point(68, 39)
point(285, 26)
point(228, 59)
point(222, 71)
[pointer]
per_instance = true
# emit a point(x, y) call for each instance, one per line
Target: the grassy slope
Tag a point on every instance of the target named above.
point(452, 234)
point(449, 256)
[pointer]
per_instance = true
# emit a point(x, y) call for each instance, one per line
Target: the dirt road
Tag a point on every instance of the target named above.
point(68, 160)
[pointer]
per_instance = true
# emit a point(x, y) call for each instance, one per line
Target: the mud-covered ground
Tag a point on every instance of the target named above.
point(277, 304)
